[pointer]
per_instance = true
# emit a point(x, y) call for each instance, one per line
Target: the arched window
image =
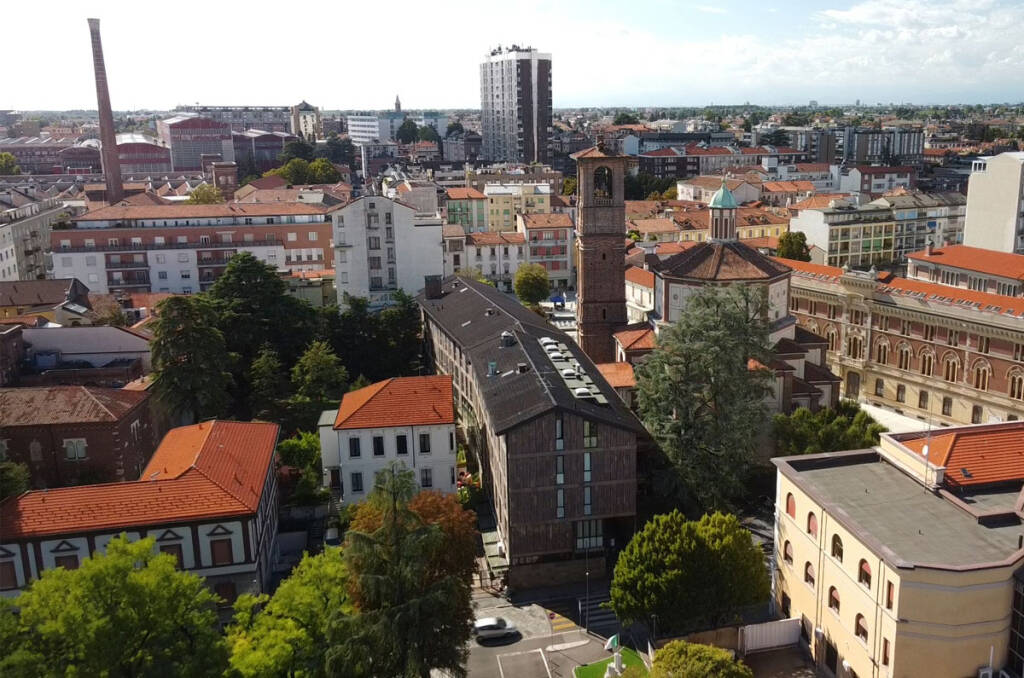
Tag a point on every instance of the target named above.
point(864, 573)
point(950, 369)
point(791, 505)
point(927, 363)
point(855, 347)
point(860, 627)
point(603, 183)
point(809, 574)
point(882, 353)
point(903, 356)
point(833, 599)
point(812, 524)
point(833, 339)
point(1017, 385)
point(981, 375)
point(837, 548)
point(787, 553)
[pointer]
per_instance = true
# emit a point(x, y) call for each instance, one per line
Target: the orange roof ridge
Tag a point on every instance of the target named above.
point(399, 401)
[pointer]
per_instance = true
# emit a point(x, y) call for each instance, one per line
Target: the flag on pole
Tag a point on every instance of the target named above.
point(612, 643)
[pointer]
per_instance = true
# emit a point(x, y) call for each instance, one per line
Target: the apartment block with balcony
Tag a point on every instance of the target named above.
point(550, 243)
point(995, 203)
point(506, 201)
point(466, 207)
point(25, 237)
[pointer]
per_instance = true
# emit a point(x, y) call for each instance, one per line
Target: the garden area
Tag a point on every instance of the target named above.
point(631, 661)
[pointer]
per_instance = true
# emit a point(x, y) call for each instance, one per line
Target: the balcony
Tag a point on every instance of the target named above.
point(127, 247)
point(112, 265)
point(213, 261)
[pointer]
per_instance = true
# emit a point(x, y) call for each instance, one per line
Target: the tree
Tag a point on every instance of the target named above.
point(690, 574)
point(702, 398)
point(428, 133)
point(189, 358)
point(112, 315)
point(321, 171)
point(302, 452)
point(626, 119)
point(128, 612)
point(793, 245)
point(847, 427)
point(402, 326)
point(296, 149)
point(268, 384)
point(454, 127)
point(407, 132)
point(14, 479)
point(8, 164)
point(319, 376)
point(680, 659)
point(777, 137)
point(531, 284)
point(336, 150)
point(205, 194)
point(413, 617)
point(288, 636)
point(640, 186)
point(295, 172)
point(568, 186)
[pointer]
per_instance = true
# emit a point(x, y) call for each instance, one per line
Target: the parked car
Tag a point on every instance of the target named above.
point(493, 627)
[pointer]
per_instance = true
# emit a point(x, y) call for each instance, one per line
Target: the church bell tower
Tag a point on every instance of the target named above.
point(601, 251)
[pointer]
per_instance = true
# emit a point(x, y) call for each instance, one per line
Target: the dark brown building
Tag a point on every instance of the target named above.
point(556, 445)
point(73, 435)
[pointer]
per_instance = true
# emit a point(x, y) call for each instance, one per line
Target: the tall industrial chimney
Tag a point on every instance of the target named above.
point(111, 163)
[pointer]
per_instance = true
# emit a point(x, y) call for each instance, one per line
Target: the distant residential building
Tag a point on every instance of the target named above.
point(660, 229)
point(702, 188)
point(436, 121)
point(260, 147)
point(639, 295)
point(515, 98)
point(890, 146)
point(191, 137)
point(995, 203)
point(877, 180)
point(479, 177)
point(370, 127)
point(72, 435)
point(142, 154)
point(462, 147)
point(497, 256)
point(382, 245)
point(466, 207)
point(551, 244)
point(970, 268)
point(25, 237)
point(420, 195)
point(406, 419)
point(316, 287)
point(923, 218)
point(306, 122)
point(505, 201)
point(61, 299)
point(208, 497)
point(241, 118)
point(639, 142)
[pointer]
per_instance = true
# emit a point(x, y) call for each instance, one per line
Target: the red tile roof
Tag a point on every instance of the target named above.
point(639, 276)
point(645, 226)
point(181, 211)
point(767, 242)
point(49, 405)
point(268, 182)
point(788, 186)
point(813, 166)
point(491, 238)
point(636, 340)
point(547, 221)
point(206, 471)
point(400, 401)
point(618, 375)
point(989, 454)
point(819, 201)
point(1002, 264)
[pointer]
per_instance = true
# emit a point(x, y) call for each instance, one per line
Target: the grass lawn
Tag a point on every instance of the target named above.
point(596, 670)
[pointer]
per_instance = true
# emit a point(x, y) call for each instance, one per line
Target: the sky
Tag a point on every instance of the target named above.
point(359, 55)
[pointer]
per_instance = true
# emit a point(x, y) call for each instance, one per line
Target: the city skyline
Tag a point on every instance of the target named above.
point(873, 50)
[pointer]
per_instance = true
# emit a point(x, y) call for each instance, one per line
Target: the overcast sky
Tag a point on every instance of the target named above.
point(344, 55)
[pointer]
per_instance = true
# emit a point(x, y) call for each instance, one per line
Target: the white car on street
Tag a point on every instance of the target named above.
point(493, 627)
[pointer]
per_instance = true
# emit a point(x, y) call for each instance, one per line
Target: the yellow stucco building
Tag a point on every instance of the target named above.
point(505, 201)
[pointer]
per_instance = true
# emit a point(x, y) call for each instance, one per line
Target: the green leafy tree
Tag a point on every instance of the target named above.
point(531, 284)
point(321, 171)
point(205, 194)
point(296, 149)
point(302, 452)
point(319, 376)
point(295, 171)
point(129, 612)
point(642, 185)
point(14, 479)
point(699, 396)
point(626, 119)
point(190, 358)
point(402, 326)
point(847, 427)
point(428, 133)
point(680, 659)
point(793, 245)
point(413, 616)
point(268, 384)
point(286, 634)
point(8, 164)
point(360, 382)
point(454, 127)
point(407, 132)
point(569, 186)
point(689, 574)
point(336, 150)
point(777, 137)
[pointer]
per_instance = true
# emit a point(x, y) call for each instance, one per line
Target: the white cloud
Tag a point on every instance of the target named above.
point(710, 9)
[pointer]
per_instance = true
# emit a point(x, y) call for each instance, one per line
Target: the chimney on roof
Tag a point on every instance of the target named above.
point(108, 139)
point(432, 287)
point(928, 249)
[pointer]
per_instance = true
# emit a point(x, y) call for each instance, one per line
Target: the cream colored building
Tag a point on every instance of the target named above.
point(901, 560)
point(995, 203)
point(505, 201)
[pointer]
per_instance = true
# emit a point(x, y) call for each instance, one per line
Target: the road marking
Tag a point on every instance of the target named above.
point(517, 654)
point(566, 646)
point(545, 660)
point(561, 623)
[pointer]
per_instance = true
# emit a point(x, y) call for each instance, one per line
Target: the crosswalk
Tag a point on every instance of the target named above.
point(560, 623)
point(598, 619)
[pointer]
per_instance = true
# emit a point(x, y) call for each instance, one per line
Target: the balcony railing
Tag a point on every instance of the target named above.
point(131, 247)
point(126, 264)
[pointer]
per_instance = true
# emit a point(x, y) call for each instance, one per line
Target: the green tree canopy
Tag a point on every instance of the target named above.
point(336, 150)
point(319, 375)
point(407, 132)
point(531, 284)
point(401, 325)
point(268, 384)
point(296, 149)
point(689, 574)
point(14, 479)
point(428, 133)
point(8, 164)
point(288, 636)
point(793, 245)
point(642, 185)
point(568, 186)
point(777, 137)
point(847, 427)
point(626, 119)
point(295, 171)
point(321, 171)
point(190, 358)
point(699, 397)
point(454, 127)
point(129, 612)
point(205, 194)
point(680, 659)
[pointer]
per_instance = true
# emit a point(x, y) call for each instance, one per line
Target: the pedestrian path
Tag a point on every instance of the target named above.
point(560, 623)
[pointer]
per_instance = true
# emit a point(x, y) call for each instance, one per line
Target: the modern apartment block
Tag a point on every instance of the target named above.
point(25, 238)
point(466, 207)
point(406, 419)
point(369, 127)
point(905, 559)
point(515, 98)
point(381, 246)
point(556, 445)
point(241, 118)
point(941, 354)
point(995, 203)
point(506, 201)
point(183, 248)
point(889, 146)
point(551, 244)
point(191, 137)
point(971, 268)
point(875, 180)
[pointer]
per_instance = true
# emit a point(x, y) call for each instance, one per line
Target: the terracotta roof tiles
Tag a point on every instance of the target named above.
point(547, 220)
point(49, 405)
point(639, 276)
point(976, 455)
point(1002, 264)
point(618, 375)
point(639, 339)
point(459, 193)
point(400, 401)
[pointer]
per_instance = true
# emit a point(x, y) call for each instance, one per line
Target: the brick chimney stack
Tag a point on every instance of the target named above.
point(111, 163)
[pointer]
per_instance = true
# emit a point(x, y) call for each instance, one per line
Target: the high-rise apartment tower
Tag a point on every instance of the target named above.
point(515, 98)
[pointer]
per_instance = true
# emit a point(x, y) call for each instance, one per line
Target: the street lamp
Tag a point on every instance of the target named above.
point(654, 632)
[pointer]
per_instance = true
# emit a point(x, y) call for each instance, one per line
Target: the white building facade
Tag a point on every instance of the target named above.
point(995, 203)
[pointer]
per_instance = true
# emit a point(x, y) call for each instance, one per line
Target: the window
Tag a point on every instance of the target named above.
point(890, 594)
point(787, 553)
point(559, 469)
point(950, 369)
point(220, 551)
point(67, 562)
point(879, 387)
point(559, 503)
point(426, 477)
point(837, 548)
point(860, 628)
point(451, 442)
point(356, 482)
point(981, 376)
point(809, 574)
point(311, 235)
point(833, 600)
point(905, 328)
point(812, 524)
point(903, 357)
point(589, 534)
point(885, 651)
point(882, 354)
point(922, 400)
point(833, 311)
point(587, 500)
point(559, 433)
point(1018, 352)
point(929, 332)
point(953, 338)
point(901, 394)
point(292, 237)
point(8, 576)
point(832, 338)
point(791, 505)
point(378, 446)
point(424, 443)
point(1017, 386)
point(976, 414)
point(161, 275)
point(947, 406)
point(855, 347)
point(75, 448)
point(864, 573)
point(589, 434)
point(586, 467)
point(983, 344)
point(927, 364)
point(226, 591)
point(387, 217)
point(204, 240)
point(186, 275)
point(174, 550)
point(401, 442)
point(373, 242)
point(353, 448)
point(183, 257)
